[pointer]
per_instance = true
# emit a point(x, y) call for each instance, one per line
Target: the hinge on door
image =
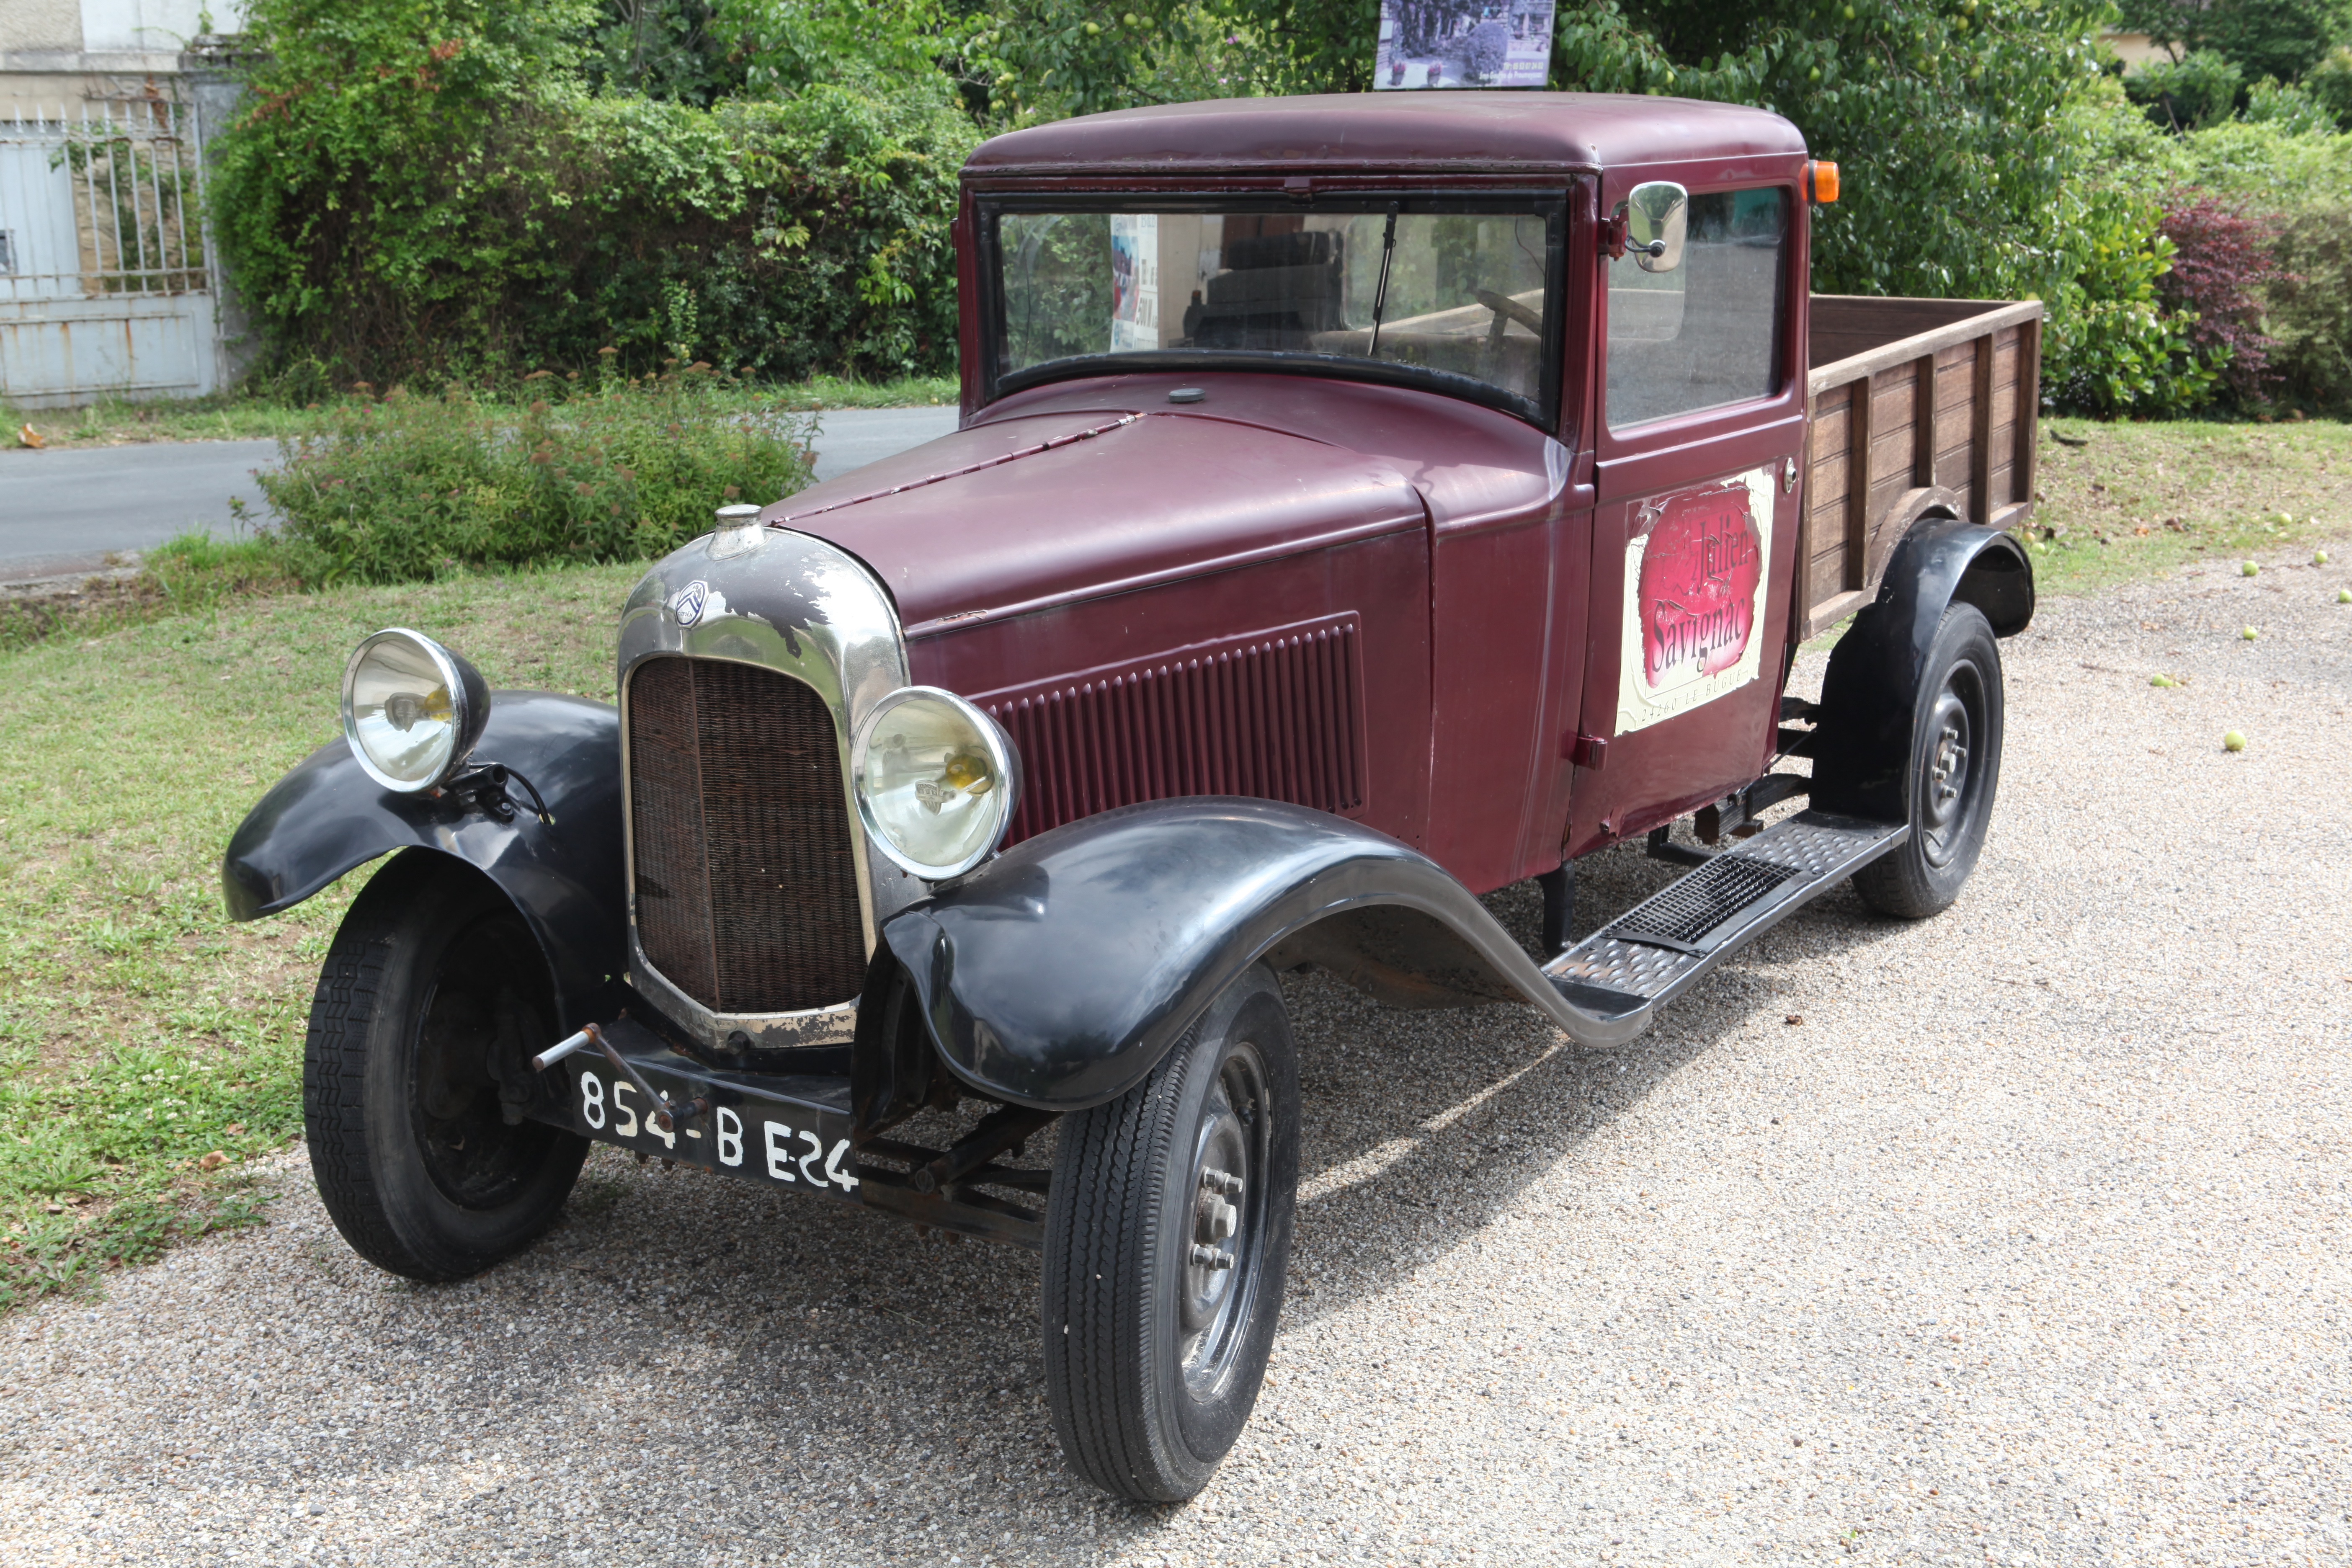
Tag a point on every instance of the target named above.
point(1612, 237)
point(1585, 751)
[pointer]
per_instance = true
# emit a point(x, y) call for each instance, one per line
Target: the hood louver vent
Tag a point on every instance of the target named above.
point(1275, 714)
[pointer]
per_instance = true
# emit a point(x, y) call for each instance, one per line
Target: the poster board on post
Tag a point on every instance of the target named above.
point(1462, 43)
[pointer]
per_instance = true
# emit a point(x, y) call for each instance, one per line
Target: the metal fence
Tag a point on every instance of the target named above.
point(106, 287)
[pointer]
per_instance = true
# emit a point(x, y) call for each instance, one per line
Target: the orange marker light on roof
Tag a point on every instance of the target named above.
point(1823, 176)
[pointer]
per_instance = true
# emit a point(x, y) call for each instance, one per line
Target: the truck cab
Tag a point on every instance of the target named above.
point(1360, 504)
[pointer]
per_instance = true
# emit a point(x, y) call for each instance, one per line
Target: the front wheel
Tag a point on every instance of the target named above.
point(431, 1000)
point(1954, 772)
point(1167, 1235)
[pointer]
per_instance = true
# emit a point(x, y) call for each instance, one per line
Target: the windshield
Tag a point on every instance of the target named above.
point(1461, 295)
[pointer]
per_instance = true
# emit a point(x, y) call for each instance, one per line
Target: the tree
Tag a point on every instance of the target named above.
point(2200, 88)
point(369, 186)
point(2277, 39)
point(672, 49)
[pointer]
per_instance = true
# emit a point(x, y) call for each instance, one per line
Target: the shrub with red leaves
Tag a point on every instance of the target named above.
point(2221, 258)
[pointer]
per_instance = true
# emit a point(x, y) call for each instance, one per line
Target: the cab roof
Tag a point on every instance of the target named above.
point(1492, 132)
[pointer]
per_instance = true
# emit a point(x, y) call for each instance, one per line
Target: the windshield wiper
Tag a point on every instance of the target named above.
point(1381, 294)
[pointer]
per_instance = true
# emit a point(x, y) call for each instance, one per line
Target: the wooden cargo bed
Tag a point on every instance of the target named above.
point(1912, 403)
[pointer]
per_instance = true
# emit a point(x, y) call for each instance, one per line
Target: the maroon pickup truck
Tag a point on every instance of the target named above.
point(1360, 504)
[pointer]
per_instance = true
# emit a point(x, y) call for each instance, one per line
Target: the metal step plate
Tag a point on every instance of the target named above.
point(1658, 949)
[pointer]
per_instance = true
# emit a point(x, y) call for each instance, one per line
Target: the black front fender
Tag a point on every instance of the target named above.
point(327, 816)
point(1862, 758)
point(1059, 973)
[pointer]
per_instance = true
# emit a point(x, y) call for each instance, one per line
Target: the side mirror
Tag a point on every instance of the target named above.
point(1657, 213)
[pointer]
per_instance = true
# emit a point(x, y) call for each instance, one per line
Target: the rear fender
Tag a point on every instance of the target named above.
point(327, 816)
point(1861, 760)
point(1056, 975)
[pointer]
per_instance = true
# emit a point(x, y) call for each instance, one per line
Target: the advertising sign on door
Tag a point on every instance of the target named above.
point(1693, 598)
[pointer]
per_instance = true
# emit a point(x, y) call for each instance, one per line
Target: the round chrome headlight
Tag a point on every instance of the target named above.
point(936, 781)
point(412, 709)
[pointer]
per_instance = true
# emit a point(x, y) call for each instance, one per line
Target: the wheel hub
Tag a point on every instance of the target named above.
point(1216, 1235)
point(471, 1017)
point(1945, 788)
point(1223, 1233)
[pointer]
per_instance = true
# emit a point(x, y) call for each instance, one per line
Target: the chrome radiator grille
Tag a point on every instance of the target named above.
point(746, 889)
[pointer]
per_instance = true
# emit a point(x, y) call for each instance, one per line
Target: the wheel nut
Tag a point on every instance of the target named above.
point(1221, 1182)
point(1210, 1258)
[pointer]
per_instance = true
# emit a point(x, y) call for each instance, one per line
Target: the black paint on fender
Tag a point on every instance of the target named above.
point(1861, 757)
point(327, 816)
point(1055, 975)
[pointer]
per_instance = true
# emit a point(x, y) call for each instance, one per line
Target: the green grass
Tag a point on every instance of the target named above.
point(231, 417)
point(2141, 500)
point(114, 421)
point(907, 392)
point(140, 1032)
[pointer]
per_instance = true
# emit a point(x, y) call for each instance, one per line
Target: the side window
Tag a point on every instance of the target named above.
point(1707, 333)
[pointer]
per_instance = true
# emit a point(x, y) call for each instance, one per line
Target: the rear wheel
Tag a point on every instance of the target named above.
point(431, 1000)
point(1954, 773)
point(1167, 1237)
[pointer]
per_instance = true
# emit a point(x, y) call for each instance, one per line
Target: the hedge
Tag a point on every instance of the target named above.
point(424, 187)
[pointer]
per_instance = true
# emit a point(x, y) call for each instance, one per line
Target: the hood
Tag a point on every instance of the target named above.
point(1020, 511)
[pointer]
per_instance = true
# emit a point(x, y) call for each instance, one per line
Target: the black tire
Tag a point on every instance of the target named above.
point(431, 993)
point(1953, 774)
point(1153, 1359)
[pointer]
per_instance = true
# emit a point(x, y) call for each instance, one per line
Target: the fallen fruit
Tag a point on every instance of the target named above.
point(2234, 741)
point(2319, 558)
point(2249, 634)
point(2162, 680)
point(2344, 596)
point(2248, 569)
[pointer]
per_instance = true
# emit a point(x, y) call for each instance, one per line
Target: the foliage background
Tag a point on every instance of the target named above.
point(447, 188)
point(435, 187)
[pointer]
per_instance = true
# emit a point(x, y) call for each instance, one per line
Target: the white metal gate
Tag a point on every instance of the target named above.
point(104, 286)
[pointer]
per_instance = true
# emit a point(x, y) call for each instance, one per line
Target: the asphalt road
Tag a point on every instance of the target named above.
point(2014, 1236)
point(64, 511)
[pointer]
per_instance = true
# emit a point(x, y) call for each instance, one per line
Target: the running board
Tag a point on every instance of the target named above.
point(1663, 946)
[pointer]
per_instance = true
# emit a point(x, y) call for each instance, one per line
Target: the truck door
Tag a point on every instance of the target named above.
point(1701, 429)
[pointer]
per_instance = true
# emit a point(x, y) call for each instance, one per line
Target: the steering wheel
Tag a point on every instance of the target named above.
point(1506, 309)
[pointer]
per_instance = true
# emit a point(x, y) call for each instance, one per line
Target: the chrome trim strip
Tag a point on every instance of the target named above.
point(811, 611)
point(834, 1025)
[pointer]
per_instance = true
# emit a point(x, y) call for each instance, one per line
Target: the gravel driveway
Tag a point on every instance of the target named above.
point(2025, 1245)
